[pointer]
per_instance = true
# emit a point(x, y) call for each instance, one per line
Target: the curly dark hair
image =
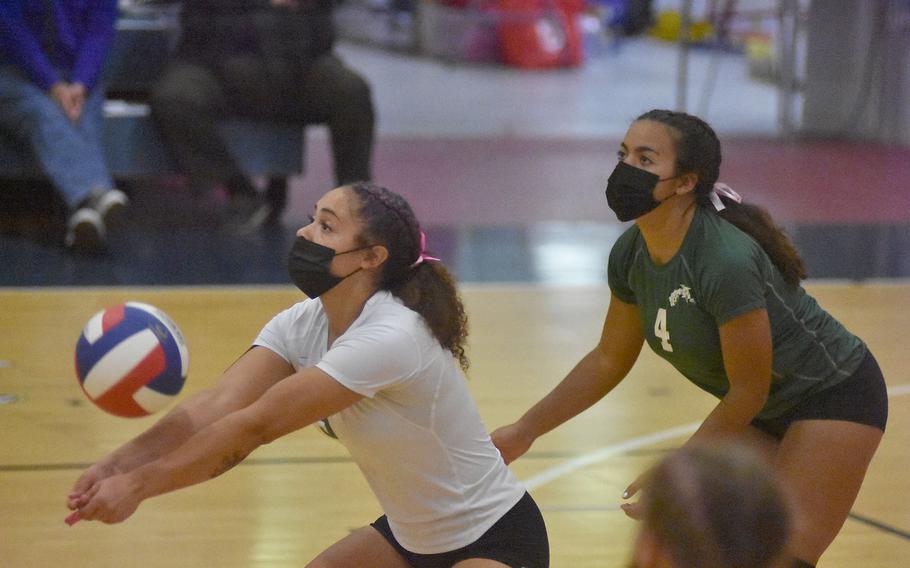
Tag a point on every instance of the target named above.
point(426, 287)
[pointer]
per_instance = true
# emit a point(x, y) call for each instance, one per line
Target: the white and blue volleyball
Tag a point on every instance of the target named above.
point(131, 360)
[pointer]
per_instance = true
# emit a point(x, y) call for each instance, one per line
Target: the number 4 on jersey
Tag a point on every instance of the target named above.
point(660, 329)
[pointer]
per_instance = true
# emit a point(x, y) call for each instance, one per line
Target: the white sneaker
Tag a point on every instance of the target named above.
point(110, 205)
point(84, 231)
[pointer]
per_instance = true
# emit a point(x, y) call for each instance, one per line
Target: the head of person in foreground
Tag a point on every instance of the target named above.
point(713, 507)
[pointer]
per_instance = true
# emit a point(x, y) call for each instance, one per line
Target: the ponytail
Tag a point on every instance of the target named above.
point(698, 152)
point(758, 224)
point(430, 291)
point(421, 283)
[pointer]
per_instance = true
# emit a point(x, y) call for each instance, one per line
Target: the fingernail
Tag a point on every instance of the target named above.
point(625, 494)
point(73, 518)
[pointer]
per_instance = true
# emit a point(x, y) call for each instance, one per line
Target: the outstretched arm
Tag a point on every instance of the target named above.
point(293, 403)
point(241, 384)
point(591, 379)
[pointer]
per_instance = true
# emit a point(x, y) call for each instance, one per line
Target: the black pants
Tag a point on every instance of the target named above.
point(193, 93)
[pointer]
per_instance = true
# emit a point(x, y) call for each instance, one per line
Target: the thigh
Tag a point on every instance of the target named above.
point(325, 89)
point(257, 87)
point(16, 87)
point(824, 462)
point(363, 547)
point(189, 82)
point(92, 120)
point(761, 442)
point(253, 86)
point(22, 102)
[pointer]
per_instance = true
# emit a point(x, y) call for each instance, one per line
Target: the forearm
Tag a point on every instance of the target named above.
point(207, 454)
point(96, 41)
point(747, 352)
point(25, 49)
point(168, 434)
point(730, 417)
point(589, 381)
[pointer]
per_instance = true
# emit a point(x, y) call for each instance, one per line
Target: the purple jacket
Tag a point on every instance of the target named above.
point(77, 32)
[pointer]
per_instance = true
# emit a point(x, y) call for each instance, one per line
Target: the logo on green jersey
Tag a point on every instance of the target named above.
point(683, 292)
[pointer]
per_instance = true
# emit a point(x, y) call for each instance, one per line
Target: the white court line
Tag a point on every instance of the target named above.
point(602, 454)
point(575, 464)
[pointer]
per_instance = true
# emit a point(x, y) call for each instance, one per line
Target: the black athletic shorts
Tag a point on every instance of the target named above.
point(518, 539)
point(860, 398)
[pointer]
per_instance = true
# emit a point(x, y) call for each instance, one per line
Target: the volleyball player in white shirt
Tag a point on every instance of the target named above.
point(379, 350)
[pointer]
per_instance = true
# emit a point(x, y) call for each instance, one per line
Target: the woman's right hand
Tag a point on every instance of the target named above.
point(512, 441)
point(111, 500)
point(97, 472)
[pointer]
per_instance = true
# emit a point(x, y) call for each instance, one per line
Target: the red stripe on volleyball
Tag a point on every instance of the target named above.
point(119, 398)
point(112, 317)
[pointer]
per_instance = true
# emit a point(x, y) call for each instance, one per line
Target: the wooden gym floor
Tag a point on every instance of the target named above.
point(291, 499)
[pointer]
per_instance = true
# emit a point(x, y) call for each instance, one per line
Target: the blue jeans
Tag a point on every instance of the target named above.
point(70, 153)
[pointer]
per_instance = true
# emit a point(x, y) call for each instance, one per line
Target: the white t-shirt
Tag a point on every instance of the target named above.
point(417, 436)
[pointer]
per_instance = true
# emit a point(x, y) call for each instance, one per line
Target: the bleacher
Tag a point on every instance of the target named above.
point(133, 147)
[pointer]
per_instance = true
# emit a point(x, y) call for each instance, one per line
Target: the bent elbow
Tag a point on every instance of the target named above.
point(747, 403)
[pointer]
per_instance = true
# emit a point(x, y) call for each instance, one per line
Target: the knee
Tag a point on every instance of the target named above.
point(163, 99)
point(171, 98)
point(39, 109)
point(339, 81)
point(166, 102)
point(357, 91)
point(33, 116)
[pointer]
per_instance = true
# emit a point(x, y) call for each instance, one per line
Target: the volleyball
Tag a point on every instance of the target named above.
point(131, 360)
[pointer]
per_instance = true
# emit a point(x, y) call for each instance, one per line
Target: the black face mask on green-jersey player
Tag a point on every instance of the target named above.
point(630, 191)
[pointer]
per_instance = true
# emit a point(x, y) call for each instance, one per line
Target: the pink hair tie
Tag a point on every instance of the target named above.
point(722, 189)
point(423, 252)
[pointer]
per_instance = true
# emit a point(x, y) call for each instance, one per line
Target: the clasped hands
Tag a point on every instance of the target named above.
point(70, 97)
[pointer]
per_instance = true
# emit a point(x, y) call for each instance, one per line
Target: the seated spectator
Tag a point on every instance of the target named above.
point(51, 58)
point(268, 59)
point(712, 507)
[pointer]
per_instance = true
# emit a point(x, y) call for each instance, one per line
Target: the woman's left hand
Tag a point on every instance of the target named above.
point(633, 510)
point(111, 500)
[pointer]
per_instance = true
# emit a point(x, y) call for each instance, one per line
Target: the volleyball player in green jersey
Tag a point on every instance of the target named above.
point(713, 286)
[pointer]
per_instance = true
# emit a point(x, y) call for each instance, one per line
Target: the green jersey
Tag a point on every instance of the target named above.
point(720, 273)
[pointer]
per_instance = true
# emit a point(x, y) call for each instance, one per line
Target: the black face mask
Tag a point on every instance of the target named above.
point(308, 266)
point(630, 191)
